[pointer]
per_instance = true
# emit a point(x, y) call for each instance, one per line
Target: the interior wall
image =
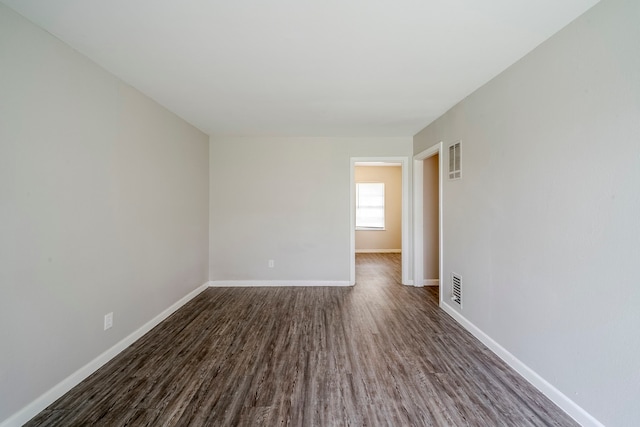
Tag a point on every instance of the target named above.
point(431, 218)
point(103, 208)
point(286, 199)
point(543, 226)
point(389, 239)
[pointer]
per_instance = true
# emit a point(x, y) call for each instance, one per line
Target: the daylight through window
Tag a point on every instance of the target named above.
point(370, 206)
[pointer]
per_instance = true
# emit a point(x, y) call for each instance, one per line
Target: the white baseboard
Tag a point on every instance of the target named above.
point(378, 251)
point(431, 282)
point(46, 399)
point(272, 283)
point(556, 396)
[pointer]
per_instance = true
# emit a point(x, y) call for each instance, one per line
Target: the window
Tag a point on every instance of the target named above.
point(370, 206)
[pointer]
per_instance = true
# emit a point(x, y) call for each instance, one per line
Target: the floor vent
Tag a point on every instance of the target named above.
point(456, 289)
point(454, 161)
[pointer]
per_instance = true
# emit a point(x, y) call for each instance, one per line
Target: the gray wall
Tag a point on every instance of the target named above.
point(103, 208)
point(286, 199)
point(544, 225)
point(430, 193)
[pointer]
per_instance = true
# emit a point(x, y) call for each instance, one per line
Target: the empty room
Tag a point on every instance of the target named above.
point(320, 213)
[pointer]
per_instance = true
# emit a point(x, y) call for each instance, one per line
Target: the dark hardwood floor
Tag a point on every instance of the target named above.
point(375, 354)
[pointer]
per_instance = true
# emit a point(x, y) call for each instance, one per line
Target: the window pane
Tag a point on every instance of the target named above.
point(370, 205)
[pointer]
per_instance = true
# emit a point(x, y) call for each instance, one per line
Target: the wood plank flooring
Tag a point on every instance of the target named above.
point(376, 354)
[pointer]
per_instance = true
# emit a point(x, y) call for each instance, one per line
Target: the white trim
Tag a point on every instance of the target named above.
point(418, 220)
point(556, 396)
point(378, 164)
point(275, 283)
point(404, 162)
point(53, 394)
point(378, 251)
point(352, 222)
point(406, 226)
point(418, 213)
point(441, 217)
point(431, 282)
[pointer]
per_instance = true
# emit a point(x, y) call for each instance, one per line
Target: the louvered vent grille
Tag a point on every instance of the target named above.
point(454, 161)
point(456, 288)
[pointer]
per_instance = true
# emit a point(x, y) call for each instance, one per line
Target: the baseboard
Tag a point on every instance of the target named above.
point(431, 282)
point(275, 283)
point(556, 396)
point(46, 399)
point(378, 251)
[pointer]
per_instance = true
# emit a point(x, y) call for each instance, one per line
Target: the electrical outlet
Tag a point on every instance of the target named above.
point(108, 321)
point(271, 263)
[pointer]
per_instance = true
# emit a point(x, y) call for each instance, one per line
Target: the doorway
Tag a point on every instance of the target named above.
point(427, 231)
point(403, 163)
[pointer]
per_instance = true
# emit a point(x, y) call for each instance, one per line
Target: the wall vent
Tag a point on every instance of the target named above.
point(456, 289)
point(454, 161)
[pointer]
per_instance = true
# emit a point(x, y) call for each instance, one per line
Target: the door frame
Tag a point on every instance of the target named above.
point(404, 161)
point(418, 216)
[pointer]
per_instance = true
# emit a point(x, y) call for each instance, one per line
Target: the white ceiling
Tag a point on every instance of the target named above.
point(304, 67)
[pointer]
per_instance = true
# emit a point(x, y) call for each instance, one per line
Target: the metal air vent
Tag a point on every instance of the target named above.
point(456, 288)
point(454, 161)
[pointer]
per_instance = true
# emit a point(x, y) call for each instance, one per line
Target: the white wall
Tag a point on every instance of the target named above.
point(391, 237)
point(544, 224)
point(103, 208)
point(286, 199)
point(431, 224)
